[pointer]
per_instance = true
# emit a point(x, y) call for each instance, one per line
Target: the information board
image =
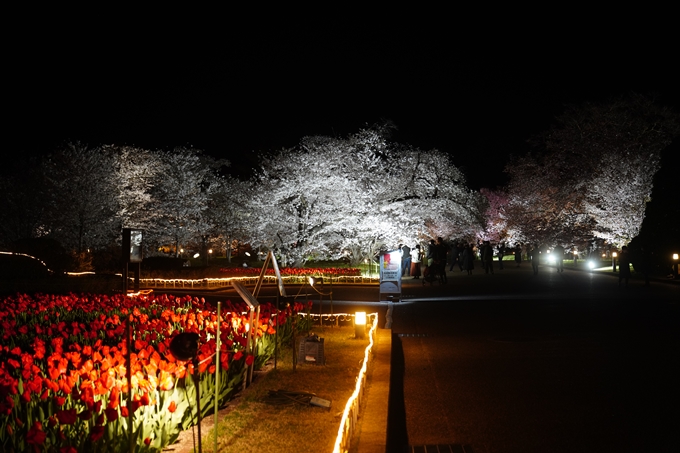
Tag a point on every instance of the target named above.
point(390, 273)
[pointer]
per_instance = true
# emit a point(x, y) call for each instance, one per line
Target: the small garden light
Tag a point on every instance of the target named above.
point(360, 324)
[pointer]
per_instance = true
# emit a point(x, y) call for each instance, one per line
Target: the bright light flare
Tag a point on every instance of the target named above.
point(551, 258)
point(591, 265)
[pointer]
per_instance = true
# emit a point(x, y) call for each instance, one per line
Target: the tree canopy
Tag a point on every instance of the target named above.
point(592, 172)
point(348, 197)
point(589, 176)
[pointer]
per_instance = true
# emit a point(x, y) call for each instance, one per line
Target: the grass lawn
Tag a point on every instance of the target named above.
point(254, 422)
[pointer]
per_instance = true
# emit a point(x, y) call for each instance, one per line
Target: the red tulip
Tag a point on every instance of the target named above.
point(67, 416)
point(35, 435)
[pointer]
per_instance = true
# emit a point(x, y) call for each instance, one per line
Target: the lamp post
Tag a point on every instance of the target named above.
point(675, 265)
point(614, 255)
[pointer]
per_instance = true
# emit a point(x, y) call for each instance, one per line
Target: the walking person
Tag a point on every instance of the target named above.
point(453, 256)
point(405, 260)
point(518, 256)
point(468, 259)
point(559, 258)
point(624, 265)
point(501, 254)
point(441, 252)
point(430, 252)
point(487, 257)
point(535, 255)
point(416, 258)
point(459, 255)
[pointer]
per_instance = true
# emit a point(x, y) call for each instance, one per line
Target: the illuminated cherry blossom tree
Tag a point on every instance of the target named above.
point(545, 203)
point(347, 198)
point(82, 197)
point(496, 228)
point(596, 173)
point(136, 172)
point(228, 211)
point(185, 183)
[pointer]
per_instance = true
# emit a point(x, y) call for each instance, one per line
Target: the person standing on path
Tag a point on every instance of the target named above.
point(405, 260)
point(535, 255)
point(518, 256)
point(468, 259)
point(430, 253)
point(416, 258)
point(487, 257)
point(501, 254)
point(559, 258)
point(441, 252)
point(624, 265)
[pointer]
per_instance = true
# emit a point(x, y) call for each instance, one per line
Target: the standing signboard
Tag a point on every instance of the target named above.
point(390, 273)
point(132, 256)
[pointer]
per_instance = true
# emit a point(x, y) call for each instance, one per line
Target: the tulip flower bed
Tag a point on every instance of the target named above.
point(293, 272)
point(63, 372)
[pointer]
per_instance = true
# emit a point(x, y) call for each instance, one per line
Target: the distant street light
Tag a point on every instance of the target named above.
point(614, 255)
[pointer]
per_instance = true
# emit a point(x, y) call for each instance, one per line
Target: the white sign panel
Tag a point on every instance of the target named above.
point(390, 272)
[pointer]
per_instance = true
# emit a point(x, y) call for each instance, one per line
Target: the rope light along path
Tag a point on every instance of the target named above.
point(29, 256)
point(351, 412)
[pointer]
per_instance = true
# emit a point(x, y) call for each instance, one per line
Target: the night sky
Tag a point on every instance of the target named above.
point(478, 97)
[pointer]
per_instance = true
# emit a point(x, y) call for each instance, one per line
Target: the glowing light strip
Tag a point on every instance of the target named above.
point(345, 431)
point(28, 256)
point(143, 292)
point(154, 282)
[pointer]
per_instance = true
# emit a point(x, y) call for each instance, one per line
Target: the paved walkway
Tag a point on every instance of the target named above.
point(372, 434)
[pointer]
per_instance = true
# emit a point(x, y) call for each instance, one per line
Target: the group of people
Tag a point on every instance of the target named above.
point(430, 261)
point(427, 262)
point(463, 256)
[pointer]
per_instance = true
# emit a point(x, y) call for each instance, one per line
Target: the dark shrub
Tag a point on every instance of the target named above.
point(162, 263)
point(48, 250)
